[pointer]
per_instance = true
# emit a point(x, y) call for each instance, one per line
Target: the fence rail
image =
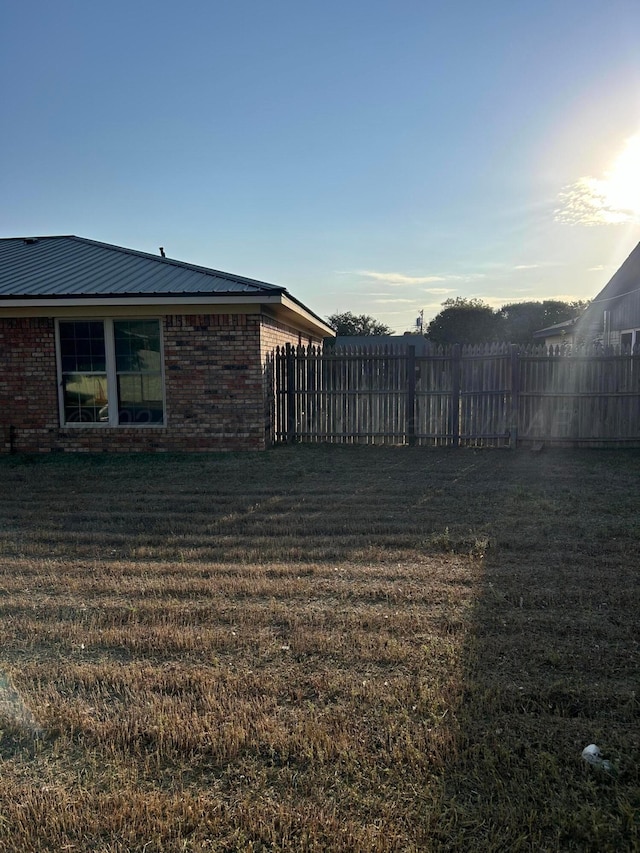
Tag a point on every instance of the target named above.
point(497, 395)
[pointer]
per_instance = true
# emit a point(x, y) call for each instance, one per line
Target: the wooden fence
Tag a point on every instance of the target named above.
point(494, 395)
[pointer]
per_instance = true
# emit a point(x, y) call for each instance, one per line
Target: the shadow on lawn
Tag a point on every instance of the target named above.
point(550, 665)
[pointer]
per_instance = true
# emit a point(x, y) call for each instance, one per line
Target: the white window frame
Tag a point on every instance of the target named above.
point(635, 336)
point(112, 376)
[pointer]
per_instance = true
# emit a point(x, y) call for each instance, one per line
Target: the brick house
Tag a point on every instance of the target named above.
point(109, 349)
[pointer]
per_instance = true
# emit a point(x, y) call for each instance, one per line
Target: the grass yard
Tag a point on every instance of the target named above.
point(320, 649)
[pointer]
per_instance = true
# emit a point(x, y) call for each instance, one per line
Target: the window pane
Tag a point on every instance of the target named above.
point(85, 397)
point(138, 365)
point(140, 398)
point(82, 346)
point(137, 345)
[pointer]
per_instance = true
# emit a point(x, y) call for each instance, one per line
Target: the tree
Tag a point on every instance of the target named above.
point(472, 321)
point(357, 324)
point(465, 321)
point(522, 319)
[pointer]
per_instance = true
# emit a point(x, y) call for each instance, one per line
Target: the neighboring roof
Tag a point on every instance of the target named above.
point(624, 282)
point(75, 266)
point(619, 299)
point(565, 327)
point(393, 342)
point(69, 270)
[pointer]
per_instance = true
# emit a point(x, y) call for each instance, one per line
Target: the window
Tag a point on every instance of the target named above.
point(110, 372)
point(83, 364)
point(630, 338)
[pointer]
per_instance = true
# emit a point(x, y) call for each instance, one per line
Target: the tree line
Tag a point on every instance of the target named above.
point(473, 321)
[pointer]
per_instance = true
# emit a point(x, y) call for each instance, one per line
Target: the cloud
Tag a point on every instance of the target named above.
point(499, 301)
point(410, 301)
point(585, 203)
point(613, 199)
point(397, 279)
point(542, 265)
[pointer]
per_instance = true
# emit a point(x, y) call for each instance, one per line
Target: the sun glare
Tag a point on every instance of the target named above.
point(621, 186)
point(611, 199)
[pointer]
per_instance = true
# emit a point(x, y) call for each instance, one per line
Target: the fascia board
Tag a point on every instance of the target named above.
point(241, 303)
point(304, 313)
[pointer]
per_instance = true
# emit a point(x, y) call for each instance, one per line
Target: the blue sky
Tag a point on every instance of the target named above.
point(375, 157)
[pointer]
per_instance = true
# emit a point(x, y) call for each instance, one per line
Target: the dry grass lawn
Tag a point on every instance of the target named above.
point(319, 649)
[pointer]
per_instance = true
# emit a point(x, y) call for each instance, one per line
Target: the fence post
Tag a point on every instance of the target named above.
point(410, 410)
point(291, 393)
point(455, 394)
point(515, 395)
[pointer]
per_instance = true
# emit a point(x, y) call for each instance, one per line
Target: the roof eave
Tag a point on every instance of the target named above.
point(280, 301)
point(308, 316)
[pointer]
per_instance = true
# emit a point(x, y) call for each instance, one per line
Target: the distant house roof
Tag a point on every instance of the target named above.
point(565, 327)
point(46, 271)
point(396, 342)
point(619, 301)
point(624, 282)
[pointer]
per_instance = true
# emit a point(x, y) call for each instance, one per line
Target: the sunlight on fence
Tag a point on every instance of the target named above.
point(491, 395)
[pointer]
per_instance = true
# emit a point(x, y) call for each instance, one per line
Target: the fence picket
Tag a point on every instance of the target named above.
point(495, 395)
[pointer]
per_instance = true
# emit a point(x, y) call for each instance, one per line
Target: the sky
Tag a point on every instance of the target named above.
point(373, 157)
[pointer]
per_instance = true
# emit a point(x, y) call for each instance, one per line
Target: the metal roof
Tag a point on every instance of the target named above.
point(37, 267)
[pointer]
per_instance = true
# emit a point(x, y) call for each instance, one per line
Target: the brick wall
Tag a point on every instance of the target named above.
point(213, 381)
point(28, 385)
point(217, 387)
